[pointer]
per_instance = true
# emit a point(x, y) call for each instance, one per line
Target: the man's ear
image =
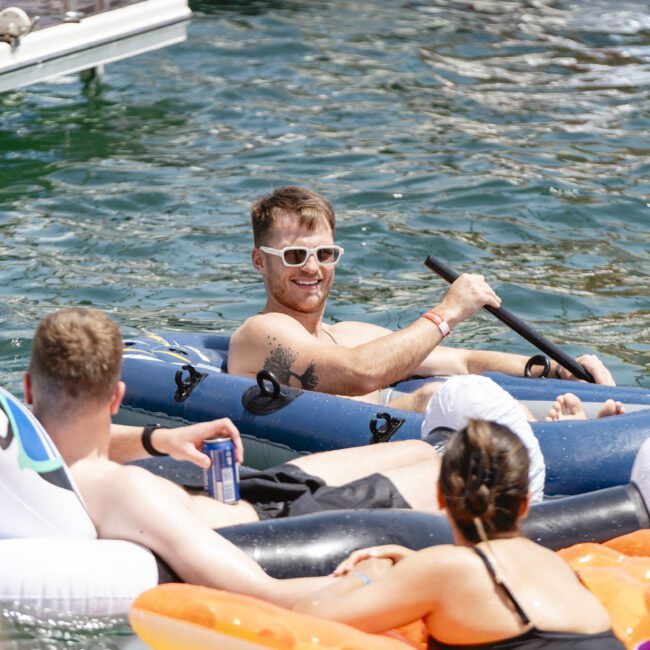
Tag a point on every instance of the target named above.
point(27, 388)
point(258, 259)
point(116, 398)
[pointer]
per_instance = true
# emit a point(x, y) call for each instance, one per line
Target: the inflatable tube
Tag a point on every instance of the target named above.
point(50, 559)
point(621, 581)
point(314, 545)
point(177, 617)
point(79, 576)
point(100, 577)
point(37, 495)
point(180, 616)
point(180, 378)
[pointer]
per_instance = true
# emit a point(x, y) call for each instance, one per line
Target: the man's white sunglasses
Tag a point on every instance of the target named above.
point(298, 255)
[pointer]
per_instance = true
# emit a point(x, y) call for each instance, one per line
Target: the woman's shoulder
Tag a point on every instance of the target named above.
point(448, 558)
point(511, 555)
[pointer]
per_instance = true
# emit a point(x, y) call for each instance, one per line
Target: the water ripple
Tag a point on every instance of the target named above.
point(505, 136)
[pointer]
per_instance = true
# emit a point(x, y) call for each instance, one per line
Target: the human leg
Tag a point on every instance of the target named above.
point(418, 399)
point(417, 483)
point(345, 465)
point(287, 490)
point(410, 486)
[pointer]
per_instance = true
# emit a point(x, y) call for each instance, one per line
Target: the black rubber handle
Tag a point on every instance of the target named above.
point(519, 326)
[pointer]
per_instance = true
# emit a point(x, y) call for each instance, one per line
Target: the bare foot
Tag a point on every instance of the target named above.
point(610, 407)
point(566, 407)
point(569, 407)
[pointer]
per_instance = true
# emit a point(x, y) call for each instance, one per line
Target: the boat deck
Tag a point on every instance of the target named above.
point(53, 12)
point(76, 35)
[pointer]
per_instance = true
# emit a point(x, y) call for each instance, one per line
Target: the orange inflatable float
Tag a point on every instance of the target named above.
point(618, 574)
point(179, 616)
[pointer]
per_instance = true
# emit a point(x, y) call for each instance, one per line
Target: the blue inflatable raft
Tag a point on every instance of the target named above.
point(175, 378)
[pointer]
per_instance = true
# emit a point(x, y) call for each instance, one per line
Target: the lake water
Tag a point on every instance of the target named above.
point(507, 137)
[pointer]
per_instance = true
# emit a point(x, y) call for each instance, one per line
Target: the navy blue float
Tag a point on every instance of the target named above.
point(580, 456)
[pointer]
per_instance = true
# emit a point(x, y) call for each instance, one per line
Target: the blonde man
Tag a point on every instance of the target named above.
point(74, 386)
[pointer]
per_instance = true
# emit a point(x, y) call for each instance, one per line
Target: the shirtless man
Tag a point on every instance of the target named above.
point(294, 250)
point(73, 385)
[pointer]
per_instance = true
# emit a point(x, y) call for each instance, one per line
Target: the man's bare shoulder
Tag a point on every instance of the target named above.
point(102, 481)
point(259, 335)
point(253, 325)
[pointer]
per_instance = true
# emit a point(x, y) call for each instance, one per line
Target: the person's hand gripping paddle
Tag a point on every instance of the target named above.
point(516, 324)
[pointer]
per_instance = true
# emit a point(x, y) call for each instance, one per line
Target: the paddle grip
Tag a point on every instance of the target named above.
point(516, 324)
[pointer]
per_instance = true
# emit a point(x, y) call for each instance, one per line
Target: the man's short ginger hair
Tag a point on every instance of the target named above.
point(312, 208)
point(76, 355)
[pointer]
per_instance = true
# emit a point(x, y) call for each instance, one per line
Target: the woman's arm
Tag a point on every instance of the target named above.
point(392, 552)
point(405, 593)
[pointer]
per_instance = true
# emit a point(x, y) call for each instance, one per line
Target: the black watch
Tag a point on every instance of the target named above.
point(146, 439)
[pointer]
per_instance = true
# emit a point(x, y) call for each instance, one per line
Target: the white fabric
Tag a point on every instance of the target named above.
point(466, 397)
point(50, 559)
point(385, 396)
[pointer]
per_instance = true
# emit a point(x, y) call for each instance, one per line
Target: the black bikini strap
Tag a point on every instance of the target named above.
point(522, 614)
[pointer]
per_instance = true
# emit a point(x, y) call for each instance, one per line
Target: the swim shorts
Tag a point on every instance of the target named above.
point(387, 395)
point(475, 397)
point(286, 491)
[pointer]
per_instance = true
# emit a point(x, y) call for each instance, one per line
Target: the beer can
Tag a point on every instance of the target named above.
point(221, 479)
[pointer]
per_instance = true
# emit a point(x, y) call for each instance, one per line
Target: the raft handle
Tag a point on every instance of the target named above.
point(538, 360)
point(386, 431)
point(185, 386)
point(264, 376)
point(260, 400)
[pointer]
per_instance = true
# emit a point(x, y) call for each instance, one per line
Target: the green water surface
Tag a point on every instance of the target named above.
point(506, 137)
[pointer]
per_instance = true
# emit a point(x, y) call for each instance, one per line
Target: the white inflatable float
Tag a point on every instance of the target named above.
point(50, 557)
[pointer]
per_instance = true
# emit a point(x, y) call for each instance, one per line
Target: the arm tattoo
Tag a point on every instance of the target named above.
point(279, 363)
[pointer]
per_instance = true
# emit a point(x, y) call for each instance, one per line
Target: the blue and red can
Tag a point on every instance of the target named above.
point(221, 479)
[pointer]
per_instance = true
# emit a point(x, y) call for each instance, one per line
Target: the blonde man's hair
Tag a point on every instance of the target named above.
point(76, 357)
point(312, 208)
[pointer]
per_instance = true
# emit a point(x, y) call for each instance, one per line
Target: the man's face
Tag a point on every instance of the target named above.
point(301, 288)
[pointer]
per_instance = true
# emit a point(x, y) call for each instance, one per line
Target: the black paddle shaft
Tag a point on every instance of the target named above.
point(518, 326)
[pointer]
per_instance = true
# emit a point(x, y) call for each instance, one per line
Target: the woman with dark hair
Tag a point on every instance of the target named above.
point(493, 589)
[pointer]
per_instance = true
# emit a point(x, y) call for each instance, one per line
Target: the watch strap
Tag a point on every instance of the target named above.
point(146, 440)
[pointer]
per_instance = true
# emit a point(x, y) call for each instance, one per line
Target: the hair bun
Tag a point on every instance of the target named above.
point(477, 503)
point(484, 479)
point(478, 483)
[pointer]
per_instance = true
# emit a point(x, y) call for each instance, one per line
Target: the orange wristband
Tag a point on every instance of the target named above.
point(439, 321)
